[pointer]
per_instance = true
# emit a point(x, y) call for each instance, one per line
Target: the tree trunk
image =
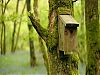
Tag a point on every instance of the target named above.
point(92, 30)
point(1, 39)
point(82, 30)
point(31, 41)
point(17, 38)
point(4, 43)
point(14, 30)
point(58, 63)
point(3, 32)
point(42, 47)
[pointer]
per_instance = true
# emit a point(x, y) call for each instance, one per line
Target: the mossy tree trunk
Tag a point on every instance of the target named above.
point(68, 64)
point(31, 41)
point(92, 30)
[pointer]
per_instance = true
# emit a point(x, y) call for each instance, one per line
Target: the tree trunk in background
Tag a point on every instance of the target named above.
point(44, 53)
point(1, 39)
point(3, 32)
point(17, 38)
point(42, 47)
point(92, 35)
point(31, 41)
point(14, 30)
point(4, 42)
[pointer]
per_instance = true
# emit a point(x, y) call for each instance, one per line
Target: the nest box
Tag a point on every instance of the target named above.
point(67, 29)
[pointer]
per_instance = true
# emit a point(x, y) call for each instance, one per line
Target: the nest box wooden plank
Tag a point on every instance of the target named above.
point(67, 29)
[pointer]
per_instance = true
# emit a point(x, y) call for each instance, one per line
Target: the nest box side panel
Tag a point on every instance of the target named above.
point(61, 34)
point(66, 41)
point(73, 40)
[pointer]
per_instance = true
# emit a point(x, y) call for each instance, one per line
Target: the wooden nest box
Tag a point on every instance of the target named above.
point(67, 29)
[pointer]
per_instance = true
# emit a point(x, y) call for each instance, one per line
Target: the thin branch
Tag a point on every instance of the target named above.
point(14, 29)
point(41, 31)
point(2, 7)
point(6, 6)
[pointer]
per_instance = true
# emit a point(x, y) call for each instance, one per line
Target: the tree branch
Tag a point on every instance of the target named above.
point(41, 31)
point(6, 5)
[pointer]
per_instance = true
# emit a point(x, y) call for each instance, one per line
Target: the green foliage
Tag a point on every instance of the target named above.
point(9, 17)
point(13, 17)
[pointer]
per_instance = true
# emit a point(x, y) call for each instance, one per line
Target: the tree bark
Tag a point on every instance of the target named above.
point(31, 41)
point(40, 30)
point(14, 30)
point(3, 32)
point(58, 64)
point(92, 35)
point(1, 39)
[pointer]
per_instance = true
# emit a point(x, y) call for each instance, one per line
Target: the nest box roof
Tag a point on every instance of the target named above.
point(68, 20)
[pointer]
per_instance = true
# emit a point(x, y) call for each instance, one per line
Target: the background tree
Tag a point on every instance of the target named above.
point(42, 47)
point(3, 29)
point(14, 29)
point(31, 41)
point(92, 35)
point(17, 36)
point(50, 36)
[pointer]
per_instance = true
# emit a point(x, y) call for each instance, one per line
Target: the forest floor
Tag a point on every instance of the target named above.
point(19, 64)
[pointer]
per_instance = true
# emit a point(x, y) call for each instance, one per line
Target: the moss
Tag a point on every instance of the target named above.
point(59, 3)
point(62, 3)
point(64, 10)
point(52, 40)
point(74, 72)
point(75, 58)
point(73, 63)
point(70, 63)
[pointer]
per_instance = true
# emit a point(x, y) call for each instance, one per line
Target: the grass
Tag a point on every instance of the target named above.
point(19, 64)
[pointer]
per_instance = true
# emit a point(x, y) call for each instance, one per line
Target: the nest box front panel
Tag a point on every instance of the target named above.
point(70, 41)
